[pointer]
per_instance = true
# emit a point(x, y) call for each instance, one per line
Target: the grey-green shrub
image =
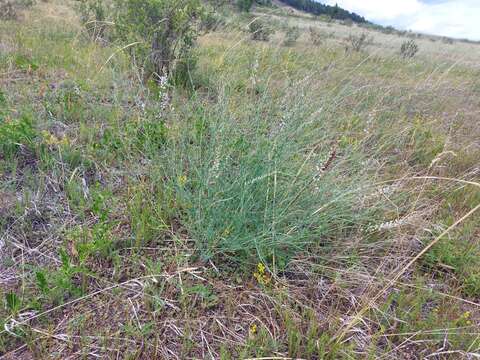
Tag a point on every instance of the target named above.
point(244, 5)
point(210, 20)
point(260, 30)
point(447, 40)
point(409, 49)
point(8, 11)
point(93, 15)
point(160, 33)
point(9, 8)
point(357, 42)
point(315, 36)
point(291, 35)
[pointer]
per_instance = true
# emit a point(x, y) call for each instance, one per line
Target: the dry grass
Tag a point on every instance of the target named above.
point(96, 239)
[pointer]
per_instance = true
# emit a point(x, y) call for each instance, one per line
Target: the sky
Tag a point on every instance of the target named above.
point(453, 18)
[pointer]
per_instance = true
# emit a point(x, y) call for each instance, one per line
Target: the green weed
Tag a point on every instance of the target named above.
point(15, 135)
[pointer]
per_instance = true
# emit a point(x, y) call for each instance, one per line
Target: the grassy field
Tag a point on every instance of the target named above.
point(293, 202)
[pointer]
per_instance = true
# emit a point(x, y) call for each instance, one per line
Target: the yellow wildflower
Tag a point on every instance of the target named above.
point(252, 330)
point(52, 140)
point(226, 232)
point(182, 180)
point(260, 275)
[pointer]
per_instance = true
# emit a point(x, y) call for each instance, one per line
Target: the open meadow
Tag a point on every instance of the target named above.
point(295, 192)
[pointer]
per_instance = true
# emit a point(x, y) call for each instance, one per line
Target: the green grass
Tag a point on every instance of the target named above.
point(255, 215)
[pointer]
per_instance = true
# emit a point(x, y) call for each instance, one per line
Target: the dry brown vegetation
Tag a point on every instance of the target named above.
point(296, 202)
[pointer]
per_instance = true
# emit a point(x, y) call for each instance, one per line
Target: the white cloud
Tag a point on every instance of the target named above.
point(380, 9)
point(455, 18)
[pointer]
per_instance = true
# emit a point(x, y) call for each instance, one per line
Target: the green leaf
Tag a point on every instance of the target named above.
point(13, 302)
point(42, 281)
point(65, 259)
point(3, 100)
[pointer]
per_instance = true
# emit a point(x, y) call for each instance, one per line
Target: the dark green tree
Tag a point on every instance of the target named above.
point(244, 5)
point(316, 8)
point(160, 33)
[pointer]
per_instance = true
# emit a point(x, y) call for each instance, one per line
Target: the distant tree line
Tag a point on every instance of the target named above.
point(245, 5)
point(316, 8)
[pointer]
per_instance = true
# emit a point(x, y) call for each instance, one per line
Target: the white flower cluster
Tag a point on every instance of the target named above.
point(215, 169)
point(163, 94)
point(254, 73)
point(392, 224)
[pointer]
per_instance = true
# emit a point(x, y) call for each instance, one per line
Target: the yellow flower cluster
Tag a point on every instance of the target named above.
point(52, 140)
point(182, 180)
point(226, 232)
point(261, 275)
point(252, 330)
point(466, 316)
